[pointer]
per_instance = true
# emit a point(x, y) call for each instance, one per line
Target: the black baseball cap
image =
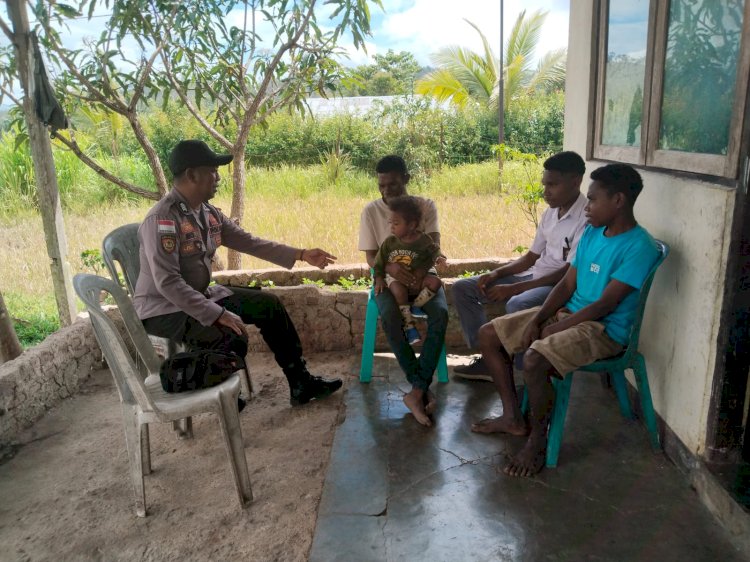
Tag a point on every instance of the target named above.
point(194, 153)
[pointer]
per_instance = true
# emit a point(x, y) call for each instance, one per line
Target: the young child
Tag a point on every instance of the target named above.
point(586, 317)
point(414, 249)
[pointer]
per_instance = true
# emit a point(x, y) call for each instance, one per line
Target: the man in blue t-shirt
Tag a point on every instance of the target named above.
point(586, 317)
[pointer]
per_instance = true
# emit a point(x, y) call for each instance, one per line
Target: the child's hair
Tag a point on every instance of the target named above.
point(408, 207)
point(567, 162)
point(619, 178)
point(391, 163)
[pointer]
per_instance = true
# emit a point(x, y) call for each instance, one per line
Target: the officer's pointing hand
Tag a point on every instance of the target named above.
point(231, 321)
point(318, 258)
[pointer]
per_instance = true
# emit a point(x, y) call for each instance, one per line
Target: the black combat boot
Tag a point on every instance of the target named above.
point(305, 387)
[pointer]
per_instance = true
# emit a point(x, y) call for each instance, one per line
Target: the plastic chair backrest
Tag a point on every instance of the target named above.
point(635, 331)
point(128, 376)
point(122, 246)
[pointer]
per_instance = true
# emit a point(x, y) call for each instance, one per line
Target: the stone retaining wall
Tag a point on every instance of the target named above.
point(326, 320)
point(43, 375)
point(329, 320)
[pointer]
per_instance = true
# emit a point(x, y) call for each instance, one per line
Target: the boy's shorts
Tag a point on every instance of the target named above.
point(568, 350)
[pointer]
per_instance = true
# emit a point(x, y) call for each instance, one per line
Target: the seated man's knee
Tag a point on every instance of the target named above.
point(463, 287)
point(514, 304)
point(488, 338)
point(532, 361)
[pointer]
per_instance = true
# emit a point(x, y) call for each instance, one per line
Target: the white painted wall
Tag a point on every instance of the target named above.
point(693, 217)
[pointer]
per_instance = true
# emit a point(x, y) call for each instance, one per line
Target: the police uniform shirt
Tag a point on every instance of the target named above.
point(177, 245)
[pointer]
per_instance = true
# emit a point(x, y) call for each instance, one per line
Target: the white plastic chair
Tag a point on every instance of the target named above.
point(142, 398)
point(123, 247)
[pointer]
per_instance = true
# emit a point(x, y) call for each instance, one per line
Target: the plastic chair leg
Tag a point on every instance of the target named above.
point(145, 449)
point(229, 420)
point(442, 368)
point(184, 428)
point(557, 422)
point(621, 390)
point(368, 345)
point(647, 406)
point(246, 383)
point(135, 456)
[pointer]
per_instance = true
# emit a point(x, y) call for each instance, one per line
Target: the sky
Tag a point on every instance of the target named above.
point(424, 26)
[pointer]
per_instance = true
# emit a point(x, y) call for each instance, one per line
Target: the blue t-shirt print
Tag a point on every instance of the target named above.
point(628, 258)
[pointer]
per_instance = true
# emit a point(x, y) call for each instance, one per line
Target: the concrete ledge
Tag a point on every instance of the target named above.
point(330, 275)
point(43, 375)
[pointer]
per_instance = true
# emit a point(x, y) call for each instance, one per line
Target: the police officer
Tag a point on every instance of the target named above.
point(178, 239)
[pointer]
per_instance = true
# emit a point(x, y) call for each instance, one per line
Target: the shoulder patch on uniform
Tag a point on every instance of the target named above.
point(166, 226)
point(168, 243)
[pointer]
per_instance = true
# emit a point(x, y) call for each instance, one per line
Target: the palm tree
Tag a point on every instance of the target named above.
point(463, 75)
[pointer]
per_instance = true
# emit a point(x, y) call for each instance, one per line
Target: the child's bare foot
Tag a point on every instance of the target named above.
point(430, 402)
point(529, 460)
point(501, 425)
point(414, 402)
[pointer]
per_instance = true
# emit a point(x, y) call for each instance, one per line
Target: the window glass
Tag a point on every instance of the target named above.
point(700, 71)
point(627, 37)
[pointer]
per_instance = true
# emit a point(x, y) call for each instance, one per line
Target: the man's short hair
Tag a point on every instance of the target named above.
point(391, 163)
point(619, 178)
point(566, 162)
point(407, 206)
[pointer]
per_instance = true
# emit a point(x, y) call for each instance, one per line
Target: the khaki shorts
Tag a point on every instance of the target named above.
point(575, 347)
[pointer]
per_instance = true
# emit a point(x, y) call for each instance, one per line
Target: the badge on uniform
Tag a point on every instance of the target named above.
point(186, 227)
point(168, 243)
point(184, 208)
point(165, 226)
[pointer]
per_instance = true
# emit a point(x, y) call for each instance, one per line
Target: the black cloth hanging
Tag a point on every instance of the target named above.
point(49, 111)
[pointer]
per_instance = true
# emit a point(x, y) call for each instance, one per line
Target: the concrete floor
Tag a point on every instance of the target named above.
point(398, 491)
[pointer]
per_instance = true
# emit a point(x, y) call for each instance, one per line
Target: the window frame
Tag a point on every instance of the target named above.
point(648, 154)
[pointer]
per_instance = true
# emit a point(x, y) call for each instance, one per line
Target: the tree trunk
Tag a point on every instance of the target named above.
point(239, 174)
point(153, 159)
point(10, 347)
point(44, 170)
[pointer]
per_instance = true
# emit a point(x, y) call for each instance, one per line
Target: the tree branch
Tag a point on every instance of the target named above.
point(191, 106)
point(247, 120)
point(13, 98)
point(6, 30)
point(73, 146)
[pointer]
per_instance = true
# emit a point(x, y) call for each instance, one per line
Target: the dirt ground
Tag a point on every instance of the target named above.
point(66, 494)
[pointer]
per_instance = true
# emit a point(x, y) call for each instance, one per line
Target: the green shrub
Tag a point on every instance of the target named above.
point(534, 123)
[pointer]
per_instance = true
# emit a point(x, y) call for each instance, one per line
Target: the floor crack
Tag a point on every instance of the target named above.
point(577, 493)
point(460, 458)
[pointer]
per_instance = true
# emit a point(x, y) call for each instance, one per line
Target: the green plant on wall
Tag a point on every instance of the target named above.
point(92, 259)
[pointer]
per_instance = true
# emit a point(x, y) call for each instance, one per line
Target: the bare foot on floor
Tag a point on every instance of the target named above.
point(415, 405)
point(501, 425)
point(529, 460)
point(430, 402)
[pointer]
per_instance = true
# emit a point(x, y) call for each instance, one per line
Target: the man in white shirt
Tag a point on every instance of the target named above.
point(526, 282)
point(373, 229)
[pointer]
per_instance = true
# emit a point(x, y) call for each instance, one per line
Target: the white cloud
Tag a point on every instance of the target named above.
point(424, 26)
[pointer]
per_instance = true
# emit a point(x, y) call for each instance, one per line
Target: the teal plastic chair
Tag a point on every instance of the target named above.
point(368, 345)
point(631, 358)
